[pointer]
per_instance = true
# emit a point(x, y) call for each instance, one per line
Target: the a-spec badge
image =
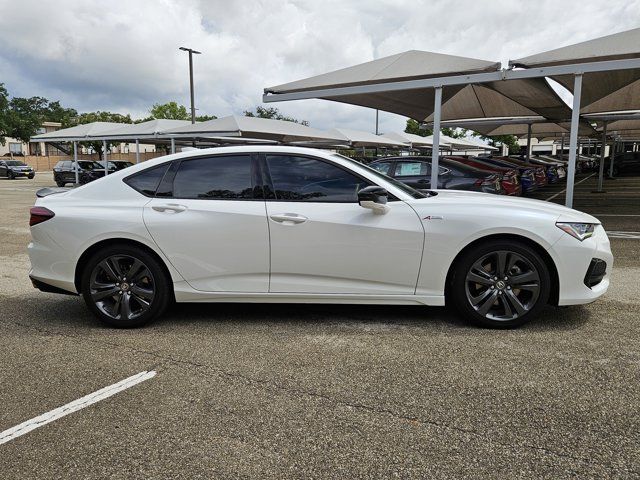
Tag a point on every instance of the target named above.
point(433, 217)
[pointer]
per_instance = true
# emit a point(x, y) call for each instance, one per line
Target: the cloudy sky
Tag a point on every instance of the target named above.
point(122, 55)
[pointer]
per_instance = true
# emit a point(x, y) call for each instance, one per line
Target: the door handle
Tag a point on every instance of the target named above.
point(171, 207)
point(288, 218)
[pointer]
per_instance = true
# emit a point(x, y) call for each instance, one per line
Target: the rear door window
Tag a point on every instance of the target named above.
point(219, 177)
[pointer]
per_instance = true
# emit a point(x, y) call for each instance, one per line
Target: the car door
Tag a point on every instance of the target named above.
point(208, 217)
point(68, 172)
point(3, 168)
point(324, 242)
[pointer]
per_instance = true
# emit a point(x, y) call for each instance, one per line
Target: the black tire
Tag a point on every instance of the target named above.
point(31, 176)
point(489, 299)
point(118, 301)
point(11, 175)
point(60, 183)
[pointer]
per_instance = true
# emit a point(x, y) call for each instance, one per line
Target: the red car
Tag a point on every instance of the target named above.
point(539, 171)
point(510, 181)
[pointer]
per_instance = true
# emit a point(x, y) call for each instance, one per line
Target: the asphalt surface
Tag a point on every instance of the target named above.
point(307, 391)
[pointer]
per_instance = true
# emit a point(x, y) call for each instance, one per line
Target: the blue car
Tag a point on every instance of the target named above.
point(527, 174)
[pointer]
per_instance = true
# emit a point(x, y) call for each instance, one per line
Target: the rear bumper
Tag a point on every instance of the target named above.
point(45, 287)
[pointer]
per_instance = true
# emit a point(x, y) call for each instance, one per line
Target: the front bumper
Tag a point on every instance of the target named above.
point(574, 261)
point(23, 173)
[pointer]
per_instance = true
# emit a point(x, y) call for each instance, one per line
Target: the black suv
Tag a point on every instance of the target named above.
point(623, 163)
point(15, 168)
point(115, 165)
point(64, 172)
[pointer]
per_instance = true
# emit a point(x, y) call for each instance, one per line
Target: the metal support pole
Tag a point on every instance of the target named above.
point(601, 167)
point(104, 157)
point(562, 148)
point(528, 142)
point(612, 157)
point(75, 161)
point(435, 151)
point(377, 113)
point(173, 145)
point(137, 151)
point(573, 138)
point(193, 108)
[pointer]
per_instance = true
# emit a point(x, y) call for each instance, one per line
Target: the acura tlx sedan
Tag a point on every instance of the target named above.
point(286, 224)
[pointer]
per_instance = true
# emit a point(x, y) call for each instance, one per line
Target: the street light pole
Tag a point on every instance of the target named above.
point(191, 52)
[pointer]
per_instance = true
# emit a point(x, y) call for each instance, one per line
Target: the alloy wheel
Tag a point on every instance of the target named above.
point(502, 285)
point(122, 287)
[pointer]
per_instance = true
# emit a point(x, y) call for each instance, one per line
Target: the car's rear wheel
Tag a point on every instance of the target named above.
point(501, 285)
point(11, 175)
point(60, 183)
point(125, 287)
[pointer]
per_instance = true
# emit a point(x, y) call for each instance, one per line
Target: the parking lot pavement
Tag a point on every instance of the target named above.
point(290, 391)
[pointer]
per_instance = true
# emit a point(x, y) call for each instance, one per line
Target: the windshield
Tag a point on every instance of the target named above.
point(401, 186)
point(15, 163)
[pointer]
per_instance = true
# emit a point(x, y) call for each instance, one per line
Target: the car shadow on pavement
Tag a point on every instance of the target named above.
point(58, 311)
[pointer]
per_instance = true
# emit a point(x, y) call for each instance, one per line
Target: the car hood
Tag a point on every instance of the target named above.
point(472, 200)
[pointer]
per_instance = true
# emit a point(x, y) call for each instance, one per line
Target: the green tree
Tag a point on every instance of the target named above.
point(273, 113)
point(4, 112)
point(511, 141)
point(413, 126)
point(25, 116)
point(169, 110)
point(205, 118)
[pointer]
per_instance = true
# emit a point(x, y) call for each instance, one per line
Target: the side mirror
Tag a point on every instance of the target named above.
point(374, 198)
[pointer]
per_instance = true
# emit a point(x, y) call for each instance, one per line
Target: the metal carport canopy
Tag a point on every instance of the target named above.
point(252, 127)
point(415, 141)
point(594, 90)
point(359, 138)
point(369, 88)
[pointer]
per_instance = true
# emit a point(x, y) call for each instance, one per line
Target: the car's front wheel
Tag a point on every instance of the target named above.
point(125, 287)
point(500, 285)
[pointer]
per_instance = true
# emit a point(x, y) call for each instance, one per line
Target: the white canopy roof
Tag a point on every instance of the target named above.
point(463, 143)
point(253, 127)
point(358, 138)
point(502, 98)
point(77, 133)
point(601, 91)
point(416, 141)
point(147, 129)
point(518, 126)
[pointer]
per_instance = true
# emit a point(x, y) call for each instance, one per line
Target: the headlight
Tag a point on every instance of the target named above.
point(577, 230)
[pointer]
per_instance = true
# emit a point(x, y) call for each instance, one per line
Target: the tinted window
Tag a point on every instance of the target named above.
point(312, 180)
point(382, 167)
point(409, 169)
point(215, 178)
point(147, 181)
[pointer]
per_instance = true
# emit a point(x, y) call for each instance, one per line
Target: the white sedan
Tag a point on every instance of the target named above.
point(286, 224)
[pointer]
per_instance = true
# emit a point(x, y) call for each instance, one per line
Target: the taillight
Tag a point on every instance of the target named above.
point(39, 215)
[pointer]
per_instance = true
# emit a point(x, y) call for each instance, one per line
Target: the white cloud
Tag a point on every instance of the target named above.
point(123, 55)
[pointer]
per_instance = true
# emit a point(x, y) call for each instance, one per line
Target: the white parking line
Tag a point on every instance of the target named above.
point(74, 406)
point(623, 234)
point(561, 192)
